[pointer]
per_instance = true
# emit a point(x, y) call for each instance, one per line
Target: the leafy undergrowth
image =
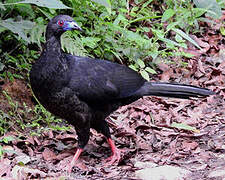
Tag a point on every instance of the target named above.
point(144, 131)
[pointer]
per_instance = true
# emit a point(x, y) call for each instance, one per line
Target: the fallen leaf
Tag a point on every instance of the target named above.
point(23, 172)
point(189, 145)
point(48, 155)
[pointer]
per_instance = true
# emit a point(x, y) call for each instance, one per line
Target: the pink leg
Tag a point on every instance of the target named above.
point(115, 153)
point(75, 158)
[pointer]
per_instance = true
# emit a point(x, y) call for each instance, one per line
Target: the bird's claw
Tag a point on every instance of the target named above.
point(114, 159)
point(69, 168)
point(77, 164)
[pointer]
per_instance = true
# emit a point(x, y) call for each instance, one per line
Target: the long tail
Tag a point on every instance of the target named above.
point(173, 90)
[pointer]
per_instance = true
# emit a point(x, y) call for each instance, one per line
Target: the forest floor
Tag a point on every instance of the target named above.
point(158, 137)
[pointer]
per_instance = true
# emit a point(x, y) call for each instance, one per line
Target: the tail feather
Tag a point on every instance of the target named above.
point(174, 90)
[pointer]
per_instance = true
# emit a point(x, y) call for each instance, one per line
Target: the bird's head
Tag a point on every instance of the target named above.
point(59, 24)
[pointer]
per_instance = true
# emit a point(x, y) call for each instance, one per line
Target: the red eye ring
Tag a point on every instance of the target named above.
point(60, 23)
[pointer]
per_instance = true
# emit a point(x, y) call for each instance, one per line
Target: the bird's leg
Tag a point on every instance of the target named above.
point(83, 133)
point(75, 158)
point(102, 127)
point(115, 157)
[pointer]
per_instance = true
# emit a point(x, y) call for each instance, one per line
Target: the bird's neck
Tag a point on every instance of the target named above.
point(53, 46)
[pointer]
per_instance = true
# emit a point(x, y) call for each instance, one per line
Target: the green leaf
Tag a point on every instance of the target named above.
point(167, 14)
point(25, 10)
point(120, 18)
point(184, 126)
point(73, 46)
point(91, 42)
point(1, 66)
point(1, 151)
point(18, 27)
point(185, 36)
point(36, 33)
point(7, 139)
point(172, 25)
point(188, 55)
point(212, 7)
point(144, 18)
point(133, 67)
point(141, 63)
point(18, 76)
point(132, 36)
point(150, 70)
point(117, 55)
point(105, 3)
point(179, 39)
point(154, 54)
point(1, 6)
point(2, 29)
point(145, 75)
point(170, 42)
point(44, 3)
point(145, 29)
point(158, 33)
point(222, 30)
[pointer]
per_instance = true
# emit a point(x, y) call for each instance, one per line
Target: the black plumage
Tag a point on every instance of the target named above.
point(85, 91)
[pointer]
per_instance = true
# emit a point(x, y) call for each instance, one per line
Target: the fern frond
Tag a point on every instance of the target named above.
point(73, 46)
point(37, 34)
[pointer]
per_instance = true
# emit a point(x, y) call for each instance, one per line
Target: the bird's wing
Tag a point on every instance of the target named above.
point(102, 81)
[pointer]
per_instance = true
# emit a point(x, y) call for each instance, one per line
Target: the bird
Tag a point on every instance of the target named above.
point(84, 91)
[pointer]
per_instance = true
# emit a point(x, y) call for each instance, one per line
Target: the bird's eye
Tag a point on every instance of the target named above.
point(60, 23)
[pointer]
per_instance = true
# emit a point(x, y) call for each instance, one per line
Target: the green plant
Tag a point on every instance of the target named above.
point(27, 118)
point(15, 113)
point(4, 124)
point(5, 140)
point(140, 66)
point(139, 34)
point(118, 34)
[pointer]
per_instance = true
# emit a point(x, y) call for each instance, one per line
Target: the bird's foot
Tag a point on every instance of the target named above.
point(78, 164)
point(74, 160)
point(115, 158)
point(69, 168)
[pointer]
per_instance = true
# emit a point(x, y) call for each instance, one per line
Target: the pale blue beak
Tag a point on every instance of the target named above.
point(71, 25)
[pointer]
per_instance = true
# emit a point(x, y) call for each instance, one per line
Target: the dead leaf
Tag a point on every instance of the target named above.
point(23, 172)
point(189, 145)
point(5, 167)
point(48, 155)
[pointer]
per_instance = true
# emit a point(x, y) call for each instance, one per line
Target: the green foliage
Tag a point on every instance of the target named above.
point(139, 35)
point(19, 64)
point(114, 30)
point(37, 31)
point(6, 119)
point(184, 127)
point(144, 71)
point(49, 4)
point(211, 7)
point(19, 27)
point(25, 117)
point(42, 115)
point(71, 44)
point(6, 140)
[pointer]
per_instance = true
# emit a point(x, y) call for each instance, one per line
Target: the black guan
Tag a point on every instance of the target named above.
point(84, 91)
